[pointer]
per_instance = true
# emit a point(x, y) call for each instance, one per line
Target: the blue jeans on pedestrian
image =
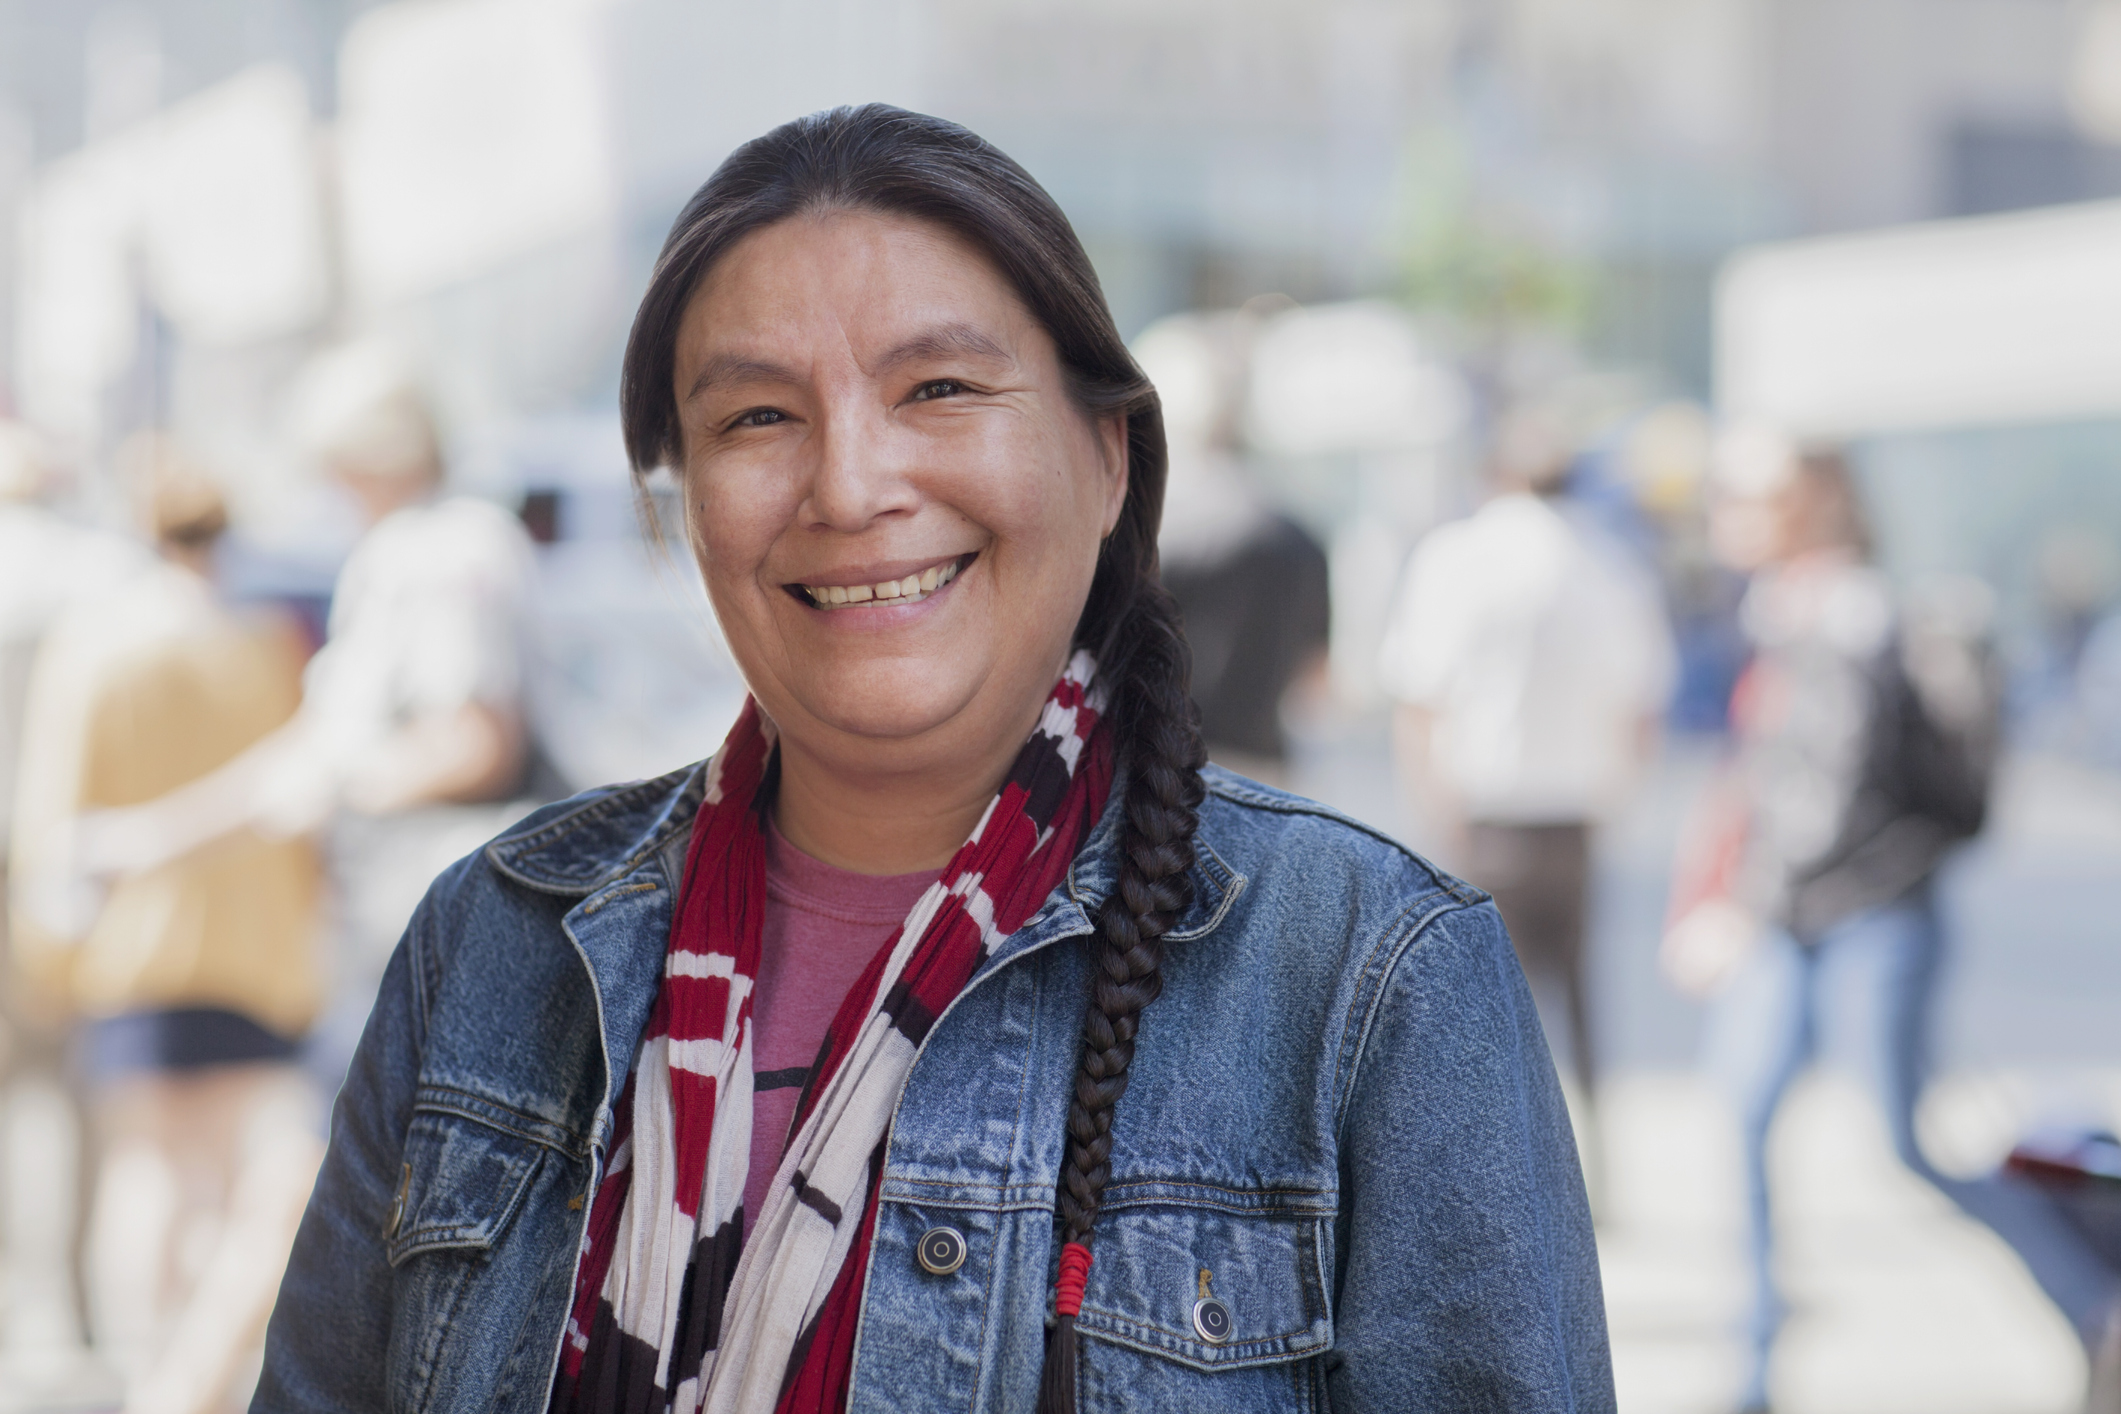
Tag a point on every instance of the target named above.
point(1865, 992)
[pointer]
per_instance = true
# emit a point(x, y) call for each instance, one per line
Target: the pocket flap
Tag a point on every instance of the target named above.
point(1146, 1281)
point(461, 1183)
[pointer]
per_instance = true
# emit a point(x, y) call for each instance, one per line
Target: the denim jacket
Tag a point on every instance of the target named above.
point(1342, 1123)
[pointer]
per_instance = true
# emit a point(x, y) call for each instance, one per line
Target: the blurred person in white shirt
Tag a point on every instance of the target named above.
point(1531, 662)
point(411, 741)
point(48, 564)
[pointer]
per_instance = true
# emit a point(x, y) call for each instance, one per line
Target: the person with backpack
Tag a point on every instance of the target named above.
point(1863, 741)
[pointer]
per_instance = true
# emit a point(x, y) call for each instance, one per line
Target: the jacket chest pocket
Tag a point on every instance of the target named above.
point(462, 1330)
point(1199, 1308)
point(460, 1185)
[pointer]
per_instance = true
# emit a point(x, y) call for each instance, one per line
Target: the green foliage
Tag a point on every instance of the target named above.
point(1479, 260)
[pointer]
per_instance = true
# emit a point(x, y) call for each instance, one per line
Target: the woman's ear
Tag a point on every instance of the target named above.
point(1112, 445)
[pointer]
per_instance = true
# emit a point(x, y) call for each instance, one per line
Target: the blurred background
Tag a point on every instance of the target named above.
point(281, 278)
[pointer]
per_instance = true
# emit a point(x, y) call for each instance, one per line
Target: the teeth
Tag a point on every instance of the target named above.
point(912, 588)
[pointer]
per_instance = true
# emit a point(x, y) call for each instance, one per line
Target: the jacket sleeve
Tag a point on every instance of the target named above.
point(1467, 1275)
point(324, 1347)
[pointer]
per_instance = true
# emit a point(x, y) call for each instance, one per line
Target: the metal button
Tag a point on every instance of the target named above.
point(1212, 1320)
point(941, 1250)
point(396, 1217)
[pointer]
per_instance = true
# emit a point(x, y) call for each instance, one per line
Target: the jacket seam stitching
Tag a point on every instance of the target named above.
point(1035, 981)
point(613, 895)
point(520, 1357)
point(1227, 882)
point(966, 1205)
point(408, 1245)
point(689, 780)
point(1199, 1205)
point(590, 811)
point(1376, 974)
point(1119, 1320)
point(419, 958)
point(1294, 805)
point(977, 980)
point(427, 1362)
point(576, 1147)
point(1132, 1183)
point(1295, 1345)
point(1220, 1188)
point(986, 1311)
point(1231, 885)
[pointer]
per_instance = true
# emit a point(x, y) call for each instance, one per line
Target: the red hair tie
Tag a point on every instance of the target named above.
point(1074, 1271)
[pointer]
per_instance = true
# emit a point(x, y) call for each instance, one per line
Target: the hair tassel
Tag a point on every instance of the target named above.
point(1056, 1386)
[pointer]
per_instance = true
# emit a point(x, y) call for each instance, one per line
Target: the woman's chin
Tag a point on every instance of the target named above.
point(904, 708)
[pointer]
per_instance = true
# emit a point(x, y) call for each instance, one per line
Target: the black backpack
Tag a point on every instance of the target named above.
point(1950, 707)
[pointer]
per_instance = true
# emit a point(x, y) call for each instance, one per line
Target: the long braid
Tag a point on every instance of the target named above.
point(1161, 736)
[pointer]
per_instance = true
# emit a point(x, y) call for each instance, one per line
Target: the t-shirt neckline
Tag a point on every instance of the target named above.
point(808, 883)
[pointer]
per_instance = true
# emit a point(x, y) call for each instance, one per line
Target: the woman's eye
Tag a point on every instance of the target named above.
point(938, 388)
point(759, 417)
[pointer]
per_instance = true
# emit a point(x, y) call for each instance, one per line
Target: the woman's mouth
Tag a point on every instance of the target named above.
point(909, 590)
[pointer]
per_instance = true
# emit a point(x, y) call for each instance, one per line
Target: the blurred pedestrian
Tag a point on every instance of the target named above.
point(1531, 662)
point(1250, 582)
point(411, 744)
point(418, 696)
point(193, 980)
point(48, 564)
point(1863, 739)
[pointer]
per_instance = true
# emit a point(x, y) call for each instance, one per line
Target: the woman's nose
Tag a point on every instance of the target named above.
point(862, 473)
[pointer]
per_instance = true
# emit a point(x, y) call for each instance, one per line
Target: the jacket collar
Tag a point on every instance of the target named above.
point(583, 845)
point(621, 855)
point(607, 837)
point(1095, 872)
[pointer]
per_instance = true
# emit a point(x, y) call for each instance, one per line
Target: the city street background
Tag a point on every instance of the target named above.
point(1889, 226)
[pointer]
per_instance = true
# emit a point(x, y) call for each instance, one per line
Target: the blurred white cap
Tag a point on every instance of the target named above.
point(360, 410)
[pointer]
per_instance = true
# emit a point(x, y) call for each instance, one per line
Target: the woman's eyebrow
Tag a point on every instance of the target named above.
point(945, 341)
point(735, 368)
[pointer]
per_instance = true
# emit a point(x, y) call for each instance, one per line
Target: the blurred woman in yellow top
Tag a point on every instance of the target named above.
point(192, 981)
point(134, 694)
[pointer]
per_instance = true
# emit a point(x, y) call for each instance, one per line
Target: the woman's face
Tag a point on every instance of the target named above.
point(895, 502)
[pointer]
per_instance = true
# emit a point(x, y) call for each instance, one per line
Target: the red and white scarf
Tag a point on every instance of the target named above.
point(684, 1302)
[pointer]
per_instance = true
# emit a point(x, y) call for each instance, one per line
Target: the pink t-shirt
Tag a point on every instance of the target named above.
point(822, 926)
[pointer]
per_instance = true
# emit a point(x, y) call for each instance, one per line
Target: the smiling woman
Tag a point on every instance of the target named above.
point(952, 1037)
point(869, 415)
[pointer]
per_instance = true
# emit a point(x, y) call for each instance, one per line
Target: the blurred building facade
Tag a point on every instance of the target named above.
point(1209, 152)
point(194, 196)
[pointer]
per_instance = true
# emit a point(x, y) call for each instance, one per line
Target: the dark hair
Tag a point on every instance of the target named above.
point(883, 159)
point(1838, 520)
